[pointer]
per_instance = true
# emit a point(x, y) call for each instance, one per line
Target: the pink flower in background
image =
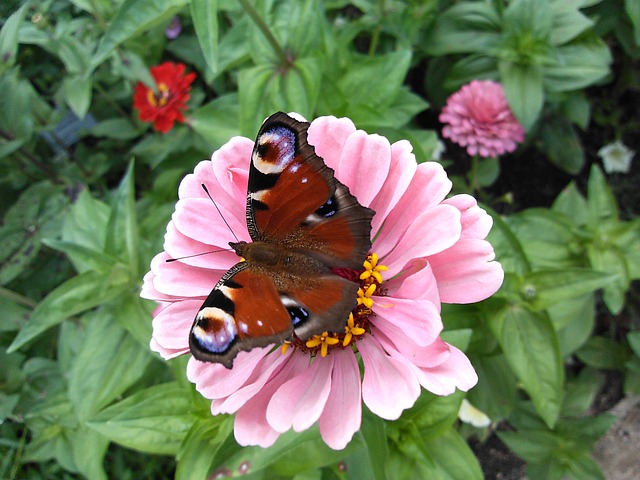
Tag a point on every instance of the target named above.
point(427, 250)
point(478, 117)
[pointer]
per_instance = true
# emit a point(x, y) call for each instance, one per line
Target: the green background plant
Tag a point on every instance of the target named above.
point(85, 207)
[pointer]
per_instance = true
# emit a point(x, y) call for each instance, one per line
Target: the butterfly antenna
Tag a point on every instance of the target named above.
point(169, 260)
point(204, 187)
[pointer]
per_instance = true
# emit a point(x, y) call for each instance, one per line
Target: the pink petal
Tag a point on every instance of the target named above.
point(465, 272)
point(407, 350)
point(456, 372)
point(364, 165)
point(180, 280)
point(416, 319)
point(172, 324)
point(435, 230)
point(415, 281)
point(178, 245)
point(148, 291)
point(270, 365)
point(476, 223)
point(328, 136)
point(300, 401)
point(428, 187)
point(389, 386)
point(225, 176)
point(251, 426)
point(166, 353)
point(342, 413)
point(198, 218)
point(401, 171)
point(215, 381)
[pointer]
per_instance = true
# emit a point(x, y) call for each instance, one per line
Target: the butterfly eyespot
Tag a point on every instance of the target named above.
point(329, 208)
point(298, 315)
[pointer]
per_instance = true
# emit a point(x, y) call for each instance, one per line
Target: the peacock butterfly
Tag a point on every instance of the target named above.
point(304, 224)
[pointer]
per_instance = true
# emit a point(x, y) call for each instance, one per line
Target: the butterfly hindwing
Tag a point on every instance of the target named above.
point(233, 319)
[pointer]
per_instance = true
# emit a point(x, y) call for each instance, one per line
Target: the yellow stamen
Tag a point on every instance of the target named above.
point(364, 296)
point(351, 330)
point(285, 345)
point(161, 98)
point(324, 341)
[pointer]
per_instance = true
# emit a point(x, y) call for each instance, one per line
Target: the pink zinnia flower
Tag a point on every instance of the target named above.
point(478, 117)
point(433, 251)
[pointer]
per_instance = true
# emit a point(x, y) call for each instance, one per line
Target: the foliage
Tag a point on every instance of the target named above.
point(88, 189)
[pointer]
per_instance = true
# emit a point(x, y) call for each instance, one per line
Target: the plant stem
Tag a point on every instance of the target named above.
point(473, 174)
point(16, 297)
point(266, 31)
point(375, 38)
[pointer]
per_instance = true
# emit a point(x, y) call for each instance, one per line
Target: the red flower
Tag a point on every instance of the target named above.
point(164, 106)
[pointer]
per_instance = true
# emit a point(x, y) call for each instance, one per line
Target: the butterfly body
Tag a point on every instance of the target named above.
point(304, 223)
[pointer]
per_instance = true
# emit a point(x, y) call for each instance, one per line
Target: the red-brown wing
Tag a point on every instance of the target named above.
point(246, 310)
point(294, 198)
point(242, 312)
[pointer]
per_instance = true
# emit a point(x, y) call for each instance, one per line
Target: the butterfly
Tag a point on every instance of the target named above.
point(303, 224)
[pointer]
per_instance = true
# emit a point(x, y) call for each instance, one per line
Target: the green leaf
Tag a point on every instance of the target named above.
point(217, 121)
point(133, 18)
point(432, 415)
point(116, 128)
point(601, 202)
point(524, 90)
point(632, 7)
point(293, 453)
point(89, 449)
point(123, 239)
point(76, 295)
point(154, 420)
point(204, 14)
point(464, 28)
point(544, 288)
point(626, 237)
point(362, 92)
point(530, 346)
point(82, 257)
point(453, 457)
point(134, 314)
point(577, 64)
point(634, 342)
point(509, 251)
point(16, 117)
point(252, 87)
point(573, 320)
point(572, 204)
point(35, 215)
point(562, 145)
point(530, 445)
point(86, 223)
point(604, 353)
point(194, 456)
point(108, 363)
point(370, 461)
point(546, 237)
point(9, 38)
point(609, 259)
point(568, 21)
point(77, 90)
point(528, 18)
point(496, 391)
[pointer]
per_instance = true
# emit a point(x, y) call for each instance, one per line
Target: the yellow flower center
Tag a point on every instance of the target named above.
point(161, 98)
point(357, 323)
